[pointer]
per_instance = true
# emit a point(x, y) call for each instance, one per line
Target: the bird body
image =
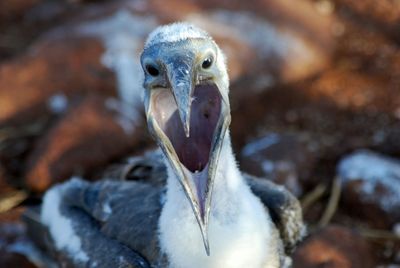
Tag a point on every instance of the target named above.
point(207, 214)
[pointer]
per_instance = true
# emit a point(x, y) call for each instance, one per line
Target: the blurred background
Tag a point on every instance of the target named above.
point(315, 93)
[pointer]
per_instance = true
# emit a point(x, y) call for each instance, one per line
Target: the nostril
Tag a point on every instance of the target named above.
point(206, 113)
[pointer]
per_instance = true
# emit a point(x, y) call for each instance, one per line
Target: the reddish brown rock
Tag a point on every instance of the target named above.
point(282, 158)
point(385, 11)
point(301, 17)
point(366, 74)
point(67, 65)
point(89, 136)
point(354, 90)
point(334, 247)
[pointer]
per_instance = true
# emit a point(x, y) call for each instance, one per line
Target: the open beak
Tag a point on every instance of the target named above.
point(189, 121)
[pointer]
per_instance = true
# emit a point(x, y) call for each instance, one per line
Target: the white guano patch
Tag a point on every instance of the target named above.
point(60, 227)
point(58, 103)
point(373, 169)
point(260, 144)
point(123, 34)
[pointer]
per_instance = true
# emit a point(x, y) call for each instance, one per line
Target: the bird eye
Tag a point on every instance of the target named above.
point(152, 70)
point(207, 63)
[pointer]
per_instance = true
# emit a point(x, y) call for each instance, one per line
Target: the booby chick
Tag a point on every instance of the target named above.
point(209, 215)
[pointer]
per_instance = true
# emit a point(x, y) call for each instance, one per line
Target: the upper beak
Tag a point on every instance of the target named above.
point(180, 77)
point(159, 103)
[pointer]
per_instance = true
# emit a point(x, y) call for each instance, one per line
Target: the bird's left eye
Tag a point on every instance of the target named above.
point(207, 63)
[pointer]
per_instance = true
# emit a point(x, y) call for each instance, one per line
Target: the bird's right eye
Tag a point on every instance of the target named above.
point(207, 63)
point(152, 70)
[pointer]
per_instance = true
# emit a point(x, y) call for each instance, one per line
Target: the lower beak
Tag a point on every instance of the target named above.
point(189, 124)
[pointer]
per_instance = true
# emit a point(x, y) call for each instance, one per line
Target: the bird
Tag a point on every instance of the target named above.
point(187, 204)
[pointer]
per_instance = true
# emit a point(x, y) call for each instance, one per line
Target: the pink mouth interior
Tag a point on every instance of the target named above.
point(193, 151)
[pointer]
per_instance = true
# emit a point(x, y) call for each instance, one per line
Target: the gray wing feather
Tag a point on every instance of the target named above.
point(283, 207)
point(116, 222)
point(102, 251)
point(126, 212)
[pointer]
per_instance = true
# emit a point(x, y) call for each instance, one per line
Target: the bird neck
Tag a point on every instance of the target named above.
point(239, 230)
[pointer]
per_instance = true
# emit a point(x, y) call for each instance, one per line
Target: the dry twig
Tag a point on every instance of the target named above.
point(11, 200)
point(311, 197)
point(378, 234)
point(332, 203)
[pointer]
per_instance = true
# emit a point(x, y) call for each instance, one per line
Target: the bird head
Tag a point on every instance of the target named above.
point(187, 108)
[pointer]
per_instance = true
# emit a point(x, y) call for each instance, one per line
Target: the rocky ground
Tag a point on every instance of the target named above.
point(315, 100)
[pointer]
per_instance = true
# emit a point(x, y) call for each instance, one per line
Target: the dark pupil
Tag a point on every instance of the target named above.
point(206, 63)
point(152, 70)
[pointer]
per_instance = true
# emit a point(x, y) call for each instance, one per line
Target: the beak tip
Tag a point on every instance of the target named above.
point(207, 247)
point(205, 240)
